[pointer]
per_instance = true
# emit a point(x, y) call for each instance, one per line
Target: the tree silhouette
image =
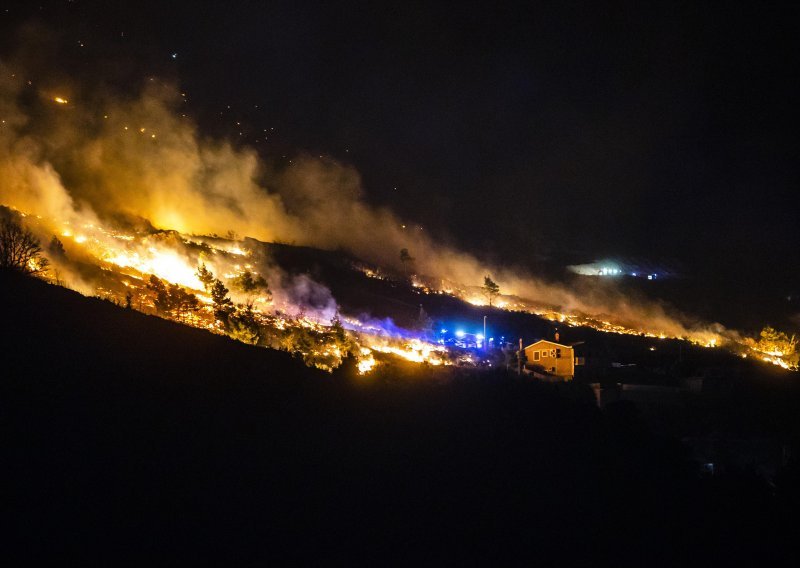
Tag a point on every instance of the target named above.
point(244, 326)
point(405, 258)
point(340, 338)
point(490, 289)
point(250, 283)
point(161, 300)
point(205, 276)
point(20, 249)
point(223, 306)
point(171, 299)
point(56, 248)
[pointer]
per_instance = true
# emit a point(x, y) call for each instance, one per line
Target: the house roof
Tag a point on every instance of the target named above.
point(548, 341)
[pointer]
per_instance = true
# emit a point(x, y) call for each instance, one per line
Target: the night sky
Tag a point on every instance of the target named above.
point(517, 131)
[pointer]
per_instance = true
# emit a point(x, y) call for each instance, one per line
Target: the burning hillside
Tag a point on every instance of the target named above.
point(219, 284)
point(132, 199)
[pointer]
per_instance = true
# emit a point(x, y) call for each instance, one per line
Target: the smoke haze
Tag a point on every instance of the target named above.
point(121, 159)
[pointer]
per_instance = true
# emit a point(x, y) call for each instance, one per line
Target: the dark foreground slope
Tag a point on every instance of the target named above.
point(126, 437)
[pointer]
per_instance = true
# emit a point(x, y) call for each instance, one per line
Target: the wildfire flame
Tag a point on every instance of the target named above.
point(139, 255)
point(708, 340)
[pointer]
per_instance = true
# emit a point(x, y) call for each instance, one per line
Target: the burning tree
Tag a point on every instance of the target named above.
point(205, 276)
point(244, 326)
point(340, 338)
point(20, 249)
point(774, 342)
point(490, 289)
point(223, 306)
point(171, 299)
point(249, 283)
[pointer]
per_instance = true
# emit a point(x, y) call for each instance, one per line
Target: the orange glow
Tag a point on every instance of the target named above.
point(167, 255)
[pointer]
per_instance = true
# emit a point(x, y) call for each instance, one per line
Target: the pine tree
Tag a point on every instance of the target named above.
point(205, 276)
point(490, 289)
point(405, 258)
point(223, 306)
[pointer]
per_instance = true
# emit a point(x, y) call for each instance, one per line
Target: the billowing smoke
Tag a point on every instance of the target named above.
point(119, 160)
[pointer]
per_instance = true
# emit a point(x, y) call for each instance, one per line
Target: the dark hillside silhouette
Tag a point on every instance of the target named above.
point(131, 438)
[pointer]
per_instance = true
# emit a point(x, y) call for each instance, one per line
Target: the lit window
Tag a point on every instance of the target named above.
point(535, 355)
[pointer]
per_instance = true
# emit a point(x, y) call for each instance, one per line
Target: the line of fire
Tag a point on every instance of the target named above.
point(233, 286)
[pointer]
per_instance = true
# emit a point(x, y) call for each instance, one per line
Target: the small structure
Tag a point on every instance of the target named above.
point(554, 359)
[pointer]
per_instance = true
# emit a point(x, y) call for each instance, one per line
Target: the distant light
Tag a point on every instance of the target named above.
point(459, 333)
point(174, 56)
point(444, 331)
point(479, 337)
point(649, 276)
point(652, 349)
point(633, 274)
point(60, 100)
point(491, 339)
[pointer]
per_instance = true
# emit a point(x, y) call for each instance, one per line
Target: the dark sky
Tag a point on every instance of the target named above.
point(660, 131)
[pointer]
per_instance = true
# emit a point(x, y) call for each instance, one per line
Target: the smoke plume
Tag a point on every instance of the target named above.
point(92, 156)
